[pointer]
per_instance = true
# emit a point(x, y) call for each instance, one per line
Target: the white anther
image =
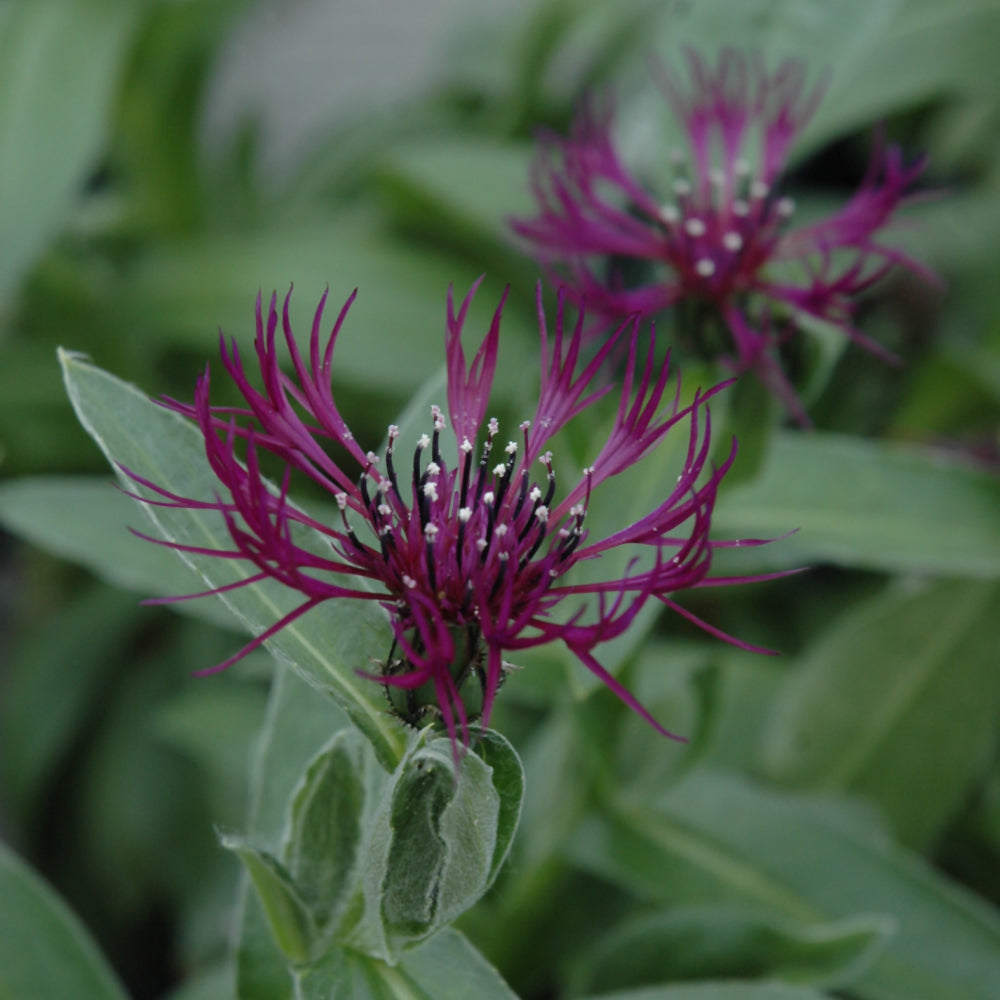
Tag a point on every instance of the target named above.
point(488, 498)
point(705, 267)
point(511, 448)
point(546, 459)
point(785, 207)
point(535, 494)
point(732, 242)
point(501, 530)
point(503, 556)
point(424, 442)
point(430, 531)
point(576, 510)
point(430, 490)
point(464, 514)
point(494, 425)
point(481, 544)
point(384, 509)
point(341, 499)
point(408, 581)
point(694, 227)
point(466, 446)
point(383, 486)
point(589, 470)
point(758, 189)
point(393, 432)
point(438, 416)
point(669, 214)
point(524, 425)
point(386, 529)
point(433, 469)
point(372, 458)
point(499, 470)
point(542, 513)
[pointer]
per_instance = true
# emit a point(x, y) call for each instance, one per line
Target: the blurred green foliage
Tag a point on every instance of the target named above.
point(834, 822)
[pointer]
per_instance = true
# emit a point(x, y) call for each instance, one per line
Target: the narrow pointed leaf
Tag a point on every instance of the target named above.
point(326, 646)
point(865, 504)
point(720, 839)
point(289, 916)
point(898, 702)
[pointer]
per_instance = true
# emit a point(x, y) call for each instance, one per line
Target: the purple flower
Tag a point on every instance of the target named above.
point(468, 542)
point(722, 233)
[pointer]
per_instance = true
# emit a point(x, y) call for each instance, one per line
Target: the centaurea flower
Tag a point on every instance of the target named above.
point(469, 542)
point(721, 235)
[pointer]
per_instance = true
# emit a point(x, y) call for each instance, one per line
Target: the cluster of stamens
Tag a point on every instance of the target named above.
point(462, 531)
point(724, 226)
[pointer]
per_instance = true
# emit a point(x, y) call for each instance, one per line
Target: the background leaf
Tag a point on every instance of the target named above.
point(59, 64)
point(714, 838)
point(867, 504)
point(44, 950)
point(85, 519)
point(897, 702)
point(716, 991)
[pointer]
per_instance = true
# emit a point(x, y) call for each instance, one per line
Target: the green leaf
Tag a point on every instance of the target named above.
point(297, 727)
point(462, 190)
point(437, 842)
point(85, 519)
point(59, 64)
point(864, 504)
point(716, 839)
point(873, 708)
point(328, 645)
point(445, 968)
point(212, 984)
point(326, 823)
point(393, 338)
point(928, 50)
point(717, 991)
point(508, 780)
point(37, 729)
point(691, 943)
point(289, 915)
point(44, 949)
point(403, 857)
point(215, 724)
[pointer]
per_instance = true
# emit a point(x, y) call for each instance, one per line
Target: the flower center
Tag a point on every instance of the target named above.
point(464, 535)
point(721, 225)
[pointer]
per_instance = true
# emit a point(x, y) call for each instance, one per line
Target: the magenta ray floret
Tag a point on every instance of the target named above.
point(469, 555)
point(722, 234)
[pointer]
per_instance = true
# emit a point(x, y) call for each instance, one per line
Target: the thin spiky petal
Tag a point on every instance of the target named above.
point(470, 558)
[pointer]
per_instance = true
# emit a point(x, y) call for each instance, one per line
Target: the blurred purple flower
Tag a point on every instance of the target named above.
point(723, 237)
point(466, 549)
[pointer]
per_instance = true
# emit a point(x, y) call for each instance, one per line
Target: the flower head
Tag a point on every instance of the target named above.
point(721, 233)
point(467, 542)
